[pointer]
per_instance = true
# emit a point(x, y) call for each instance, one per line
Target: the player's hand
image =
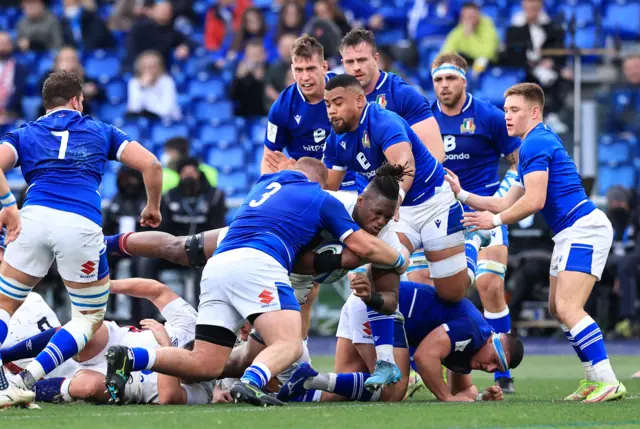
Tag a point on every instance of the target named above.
point(361, 287)
point(492, 393)
point(273, 159)
point(221, 396)
point(10, 219)
point(460, 398)
point(478, 220)
point(453, 180)
point(158, 330)
point(286, 164)
point(150, 217)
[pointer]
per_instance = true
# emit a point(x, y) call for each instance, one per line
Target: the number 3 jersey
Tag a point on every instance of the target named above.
point(62, 155)
point(473, 141)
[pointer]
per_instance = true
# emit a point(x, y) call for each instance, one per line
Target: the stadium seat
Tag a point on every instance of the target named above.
point(109, 185)
point(624, 175)
point(583, 12)
point(111, 113)
point(614, 153)
point(31, 107)
point(116, 91)
point(161, 133)
point(104, 67)
point(44, 63)
point(221, 111)
point(257, 131)
point(227, 134)
point(133, 131)
point(233, 183)
point(226, 159)
point(495, 81)
point(207, 89)
point(623, 17)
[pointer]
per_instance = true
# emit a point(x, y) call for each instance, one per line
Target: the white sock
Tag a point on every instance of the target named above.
point(152, 358)
point(589, 373)
point(317, 396)
point(64, 390)
point(604, 372)
point(385, 353)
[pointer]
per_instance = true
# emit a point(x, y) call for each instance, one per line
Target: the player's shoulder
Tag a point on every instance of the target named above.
point(541, 138)
point(287, 98)
point(379, 117)
point(348, 199)
point(401, 87)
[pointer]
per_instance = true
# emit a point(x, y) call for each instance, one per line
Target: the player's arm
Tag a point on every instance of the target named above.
point(135, 156)
point(462, 385)
point(271, 159)
point(275, 140)
point(494, 204)
point(170, 390)
point(152, 290)
point(428, 131)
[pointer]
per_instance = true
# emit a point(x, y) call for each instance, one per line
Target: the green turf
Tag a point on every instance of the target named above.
point(541, 382)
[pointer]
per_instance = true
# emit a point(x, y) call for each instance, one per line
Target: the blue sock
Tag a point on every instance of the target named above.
point(351, 386)
point(575, 346)
point(115, 244)
point(4, 331)
point(48, 390)
point(588, 337)
point(140, 358)
point(471, 252)
point(308, 396)
point(382, 328)
point(501, 323)
point(257, 374)
point(61, 347)
point(28, 348)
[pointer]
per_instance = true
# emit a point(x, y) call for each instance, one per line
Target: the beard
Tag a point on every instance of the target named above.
point(340, 127)
point(454, 100)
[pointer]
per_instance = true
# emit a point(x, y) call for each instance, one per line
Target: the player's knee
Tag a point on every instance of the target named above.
point(12, 293)
point(565, 307)
point(490, 277)
point(88, 306)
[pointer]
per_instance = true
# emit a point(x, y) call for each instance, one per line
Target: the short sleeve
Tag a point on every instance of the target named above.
point(412, 105)
point(330, 155)
point(277, 136)
point(463, 335)
point(118, 140)
point(505, 143)
point(534, 156)
point(199, 393)
point(12, 139)
point(389, 132)
point(335, 218)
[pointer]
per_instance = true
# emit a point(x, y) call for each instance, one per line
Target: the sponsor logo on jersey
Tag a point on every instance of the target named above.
point(88, 267)
point(438, 222)
point(313, 148)
point(319, 135)
point(456, 156)
point(297, 118)
point(368, 174)
point(343, 144)
point(468, 126)
point(365, 140)
point(461, 345)
point(381, 99)
point(366, 328)
point(266, 297)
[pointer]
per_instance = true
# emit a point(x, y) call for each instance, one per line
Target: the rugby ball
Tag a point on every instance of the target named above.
point(336, 248)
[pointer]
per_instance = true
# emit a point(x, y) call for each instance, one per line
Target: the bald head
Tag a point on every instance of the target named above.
point(314, 169)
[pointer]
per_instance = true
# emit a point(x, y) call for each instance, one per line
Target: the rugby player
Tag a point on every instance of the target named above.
point(62, 155)
point(549, 183)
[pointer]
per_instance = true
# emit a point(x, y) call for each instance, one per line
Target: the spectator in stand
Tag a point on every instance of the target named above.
point(175, 149)
point(329, 10)
point(291, 18)
point(248, 84)
point(152, 92)
point(328, 34)
point(624, 98)
point(12, 81)
point(126, 12)
point(253, 28)
point(83, 28)
point(67, 59)
point(475, 38)
point(276, 75)
point(222, 20)
point(531, 32)
point(38, 29)
point(156, 33)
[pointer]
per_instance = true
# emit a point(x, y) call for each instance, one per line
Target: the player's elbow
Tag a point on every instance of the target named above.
point(537, 203)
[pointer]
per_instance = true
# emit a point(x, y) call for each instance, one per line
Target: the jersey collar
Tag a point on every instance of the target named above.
point(382, 79)
point(56, 111)
point(466, 106)
point(364, 114)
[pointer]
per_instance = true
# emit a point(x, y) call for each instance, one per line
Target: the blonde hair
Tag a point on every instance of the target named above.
point(529, 91)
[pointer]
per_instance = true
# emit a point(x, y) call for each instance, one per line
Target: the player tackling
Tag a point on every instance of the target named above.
point(549, 183)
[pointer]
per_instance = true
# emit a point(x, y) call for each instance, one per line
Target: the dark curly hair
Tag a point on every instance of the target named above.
point(388, 178)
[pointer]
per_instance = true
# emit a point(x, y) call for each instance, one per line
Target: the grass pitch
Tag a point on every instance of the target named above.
point(541, 382)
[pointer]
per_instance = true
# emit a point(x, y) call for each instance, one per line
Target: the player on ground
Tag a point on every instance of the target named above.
point(475, 136)
point(432, 330)
point(248, 279)
point(87, 381)
point(62, 155)
point(549, 183)
point(365, 136)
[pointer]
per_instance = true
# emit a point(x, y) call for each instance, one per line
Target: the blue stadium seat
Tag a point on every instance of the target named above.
point(103, 66)
point(225, 133)
point(44, 63)
point(133, 131)
point(116, 91)
point(623, 17)
point(161, 133)
point(624, 175)
point(208, 89)
point(257, 131)
point(614, 153)
point(583, 12)
point(109, 185)
point(232, 157)
point(111, 113)
point(221, 111)
point(233, 183)
point(31, 107)
point(495, 81)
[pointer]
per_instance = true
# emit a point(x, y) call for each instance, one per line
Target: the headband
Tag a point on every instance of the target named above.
point(495, 339)
point(448, 68)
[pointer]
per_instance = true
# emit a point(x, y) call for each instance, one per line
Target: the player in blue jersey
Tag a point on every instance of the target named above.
point(475, 137)
point(248, 279)
point(549, 182)
point(62, 155)
point(364, 137)
point(298, 119)
point(433, 331)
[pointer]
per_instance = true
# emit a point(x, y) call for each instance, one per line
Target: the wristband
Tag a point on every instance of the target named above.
point(376, 303)
point(402, 193)
point(462, 196)
point(8, 199)
point(326, 262)
point(479, 397)
point(496, 220)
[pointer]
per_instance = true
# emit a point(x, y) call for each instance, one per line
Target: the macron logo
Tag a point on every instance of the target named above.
point(343, 144)
point(297, 118)
point(438, 222)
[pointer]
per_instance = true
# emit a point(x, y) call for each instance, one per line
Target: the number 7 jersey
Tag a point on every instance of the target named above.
point(62, 155)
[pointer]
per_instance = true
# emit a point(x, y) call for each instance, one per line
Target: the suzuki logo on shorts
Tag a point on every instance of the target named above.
point(366, 328)
point(89, 267)
point(266, 297)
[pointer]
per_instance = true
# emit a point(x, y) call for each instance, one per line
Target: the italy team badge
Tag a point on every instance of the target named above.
point(382, 101)
point(468, 126)
point(365, 140)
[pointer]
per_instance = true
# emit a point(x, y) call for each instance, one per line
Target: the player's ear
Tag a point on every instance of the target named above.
point(360, 99)
point(325, 66)
point(376, 57)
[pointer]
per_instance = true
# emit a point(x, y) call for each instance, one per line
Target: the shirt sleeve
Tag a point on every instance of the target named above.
point(199, 393)
point(277, 136)
point(463, 335)
point(389, 132)
point(12, 139)
point(413, 106)
point(118, 140)
point(335, 218)
point(330, 155)
point(501, 138)
point(535, 156)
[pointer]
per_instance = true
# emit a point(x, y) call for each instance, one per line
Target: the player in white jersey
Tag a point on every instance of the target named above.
point(549, 182)
point(85, 380)
point(62, 156)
